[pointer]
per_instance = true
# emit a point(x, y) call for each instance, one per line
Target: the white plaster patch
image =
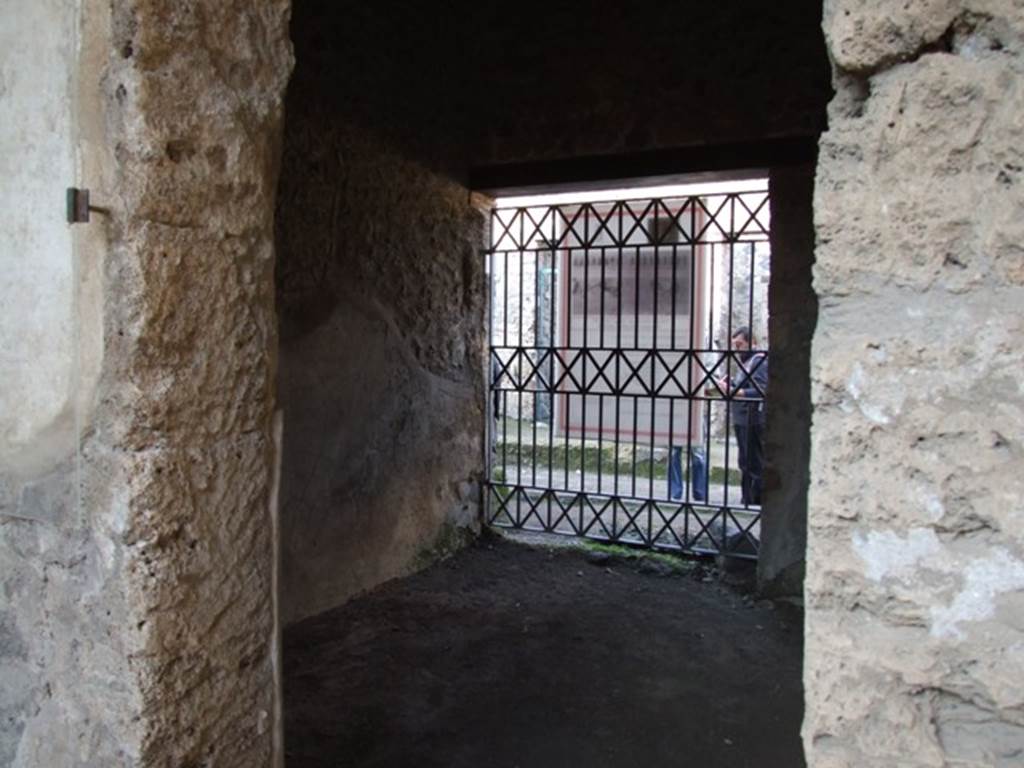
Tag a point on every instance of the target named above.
point(108, 542)
point(975, 47)
point(874, 413)
point(984, 580)
point(933, 505)
point(856, 381)
point(886, 397)
point(887, 555)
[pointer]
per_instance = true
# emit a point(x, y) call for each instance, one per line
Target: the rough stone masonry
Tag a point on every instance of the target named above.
point(915, 580)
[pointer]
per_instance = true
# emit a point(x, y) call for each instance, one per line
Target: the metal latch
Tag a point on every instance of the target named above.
point(78, 206)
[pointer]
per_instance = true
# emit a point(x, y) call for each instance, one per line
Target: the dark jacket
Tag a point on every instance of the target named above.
point(748, 390)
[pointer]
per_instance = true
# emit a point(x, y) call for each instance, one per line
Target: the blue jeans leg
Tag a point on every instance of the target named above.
point(698, 474)
point(675, 473)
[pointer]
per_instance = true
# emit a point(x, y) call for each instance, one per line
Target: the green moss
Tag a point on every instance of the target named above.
point(619, 552)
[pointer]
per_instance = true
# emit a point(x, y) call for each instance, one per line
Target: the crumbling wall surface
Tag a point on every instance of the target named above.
point(144, 610)
point(195, 107)
point(793, 312)
point(381, 298)
point(915, 584)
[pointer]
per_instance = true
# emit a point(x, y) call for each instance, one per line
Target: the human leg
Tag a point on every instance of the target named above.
point(755, 462)
point(675, 473)
point(698, 474)
point(742, 432)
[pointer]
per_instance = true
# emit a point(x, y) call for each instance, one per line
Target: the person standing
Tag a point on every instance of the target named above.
point(698, 473)
point(746, 391)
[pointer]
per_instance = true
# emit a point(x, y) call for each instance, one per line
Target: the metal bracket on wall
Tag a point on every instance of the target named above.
point(78, 207)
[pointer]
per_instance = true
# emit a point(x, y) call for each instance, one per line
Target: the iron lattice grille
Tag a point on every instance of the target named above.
point(620, 408)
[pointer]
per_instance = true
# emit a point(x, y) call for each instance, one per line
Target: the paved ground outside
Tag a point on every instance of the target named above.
point(507, 655)
point(642, 486)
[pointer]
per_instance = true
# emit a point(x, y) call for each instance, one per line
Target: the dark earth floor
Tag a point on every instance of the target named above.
point(507, 655)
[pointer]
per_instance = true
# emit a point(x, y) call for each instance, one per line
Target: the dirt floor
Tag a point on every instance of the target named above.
point(507, 655)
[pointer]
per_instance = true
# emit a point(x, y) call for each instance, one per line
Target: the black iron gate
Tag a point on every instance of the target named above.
point(628, 370)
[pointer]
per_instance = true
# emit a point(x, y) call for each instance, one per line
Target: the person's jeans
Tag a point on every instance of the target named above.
point(698, 474)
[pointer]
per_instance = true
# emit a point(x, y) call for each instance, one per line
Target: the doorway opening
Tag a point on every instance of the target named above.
point(628, 365)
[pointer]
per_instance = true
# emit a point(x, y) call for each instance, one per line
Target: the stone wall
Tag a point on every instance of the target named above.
point(144, 630)
point(915, 585)
point(195, 101)
point(793, 313)
point(381, 298)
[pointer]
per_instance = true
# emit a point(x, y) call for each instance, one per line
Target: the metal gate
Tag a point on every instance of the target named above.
point(628, 370)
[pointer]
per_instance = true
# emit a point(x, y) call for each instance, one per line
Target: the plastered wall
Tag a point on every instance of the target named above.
point(915, 583)
point(58, 591)
point(39, 293)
